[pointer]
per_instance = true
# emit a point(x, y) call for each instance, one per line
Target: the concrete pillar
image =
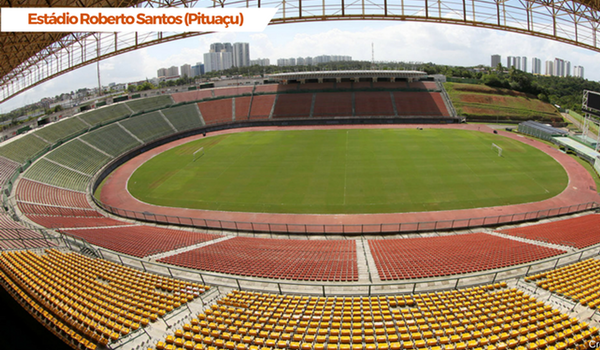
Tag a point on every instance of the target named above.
point(338, 80)
point(320, 80)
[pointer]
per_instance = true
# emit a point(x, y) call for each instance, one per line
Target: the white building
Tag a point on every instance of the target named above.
point(578, 72)
point(216, 61)
point(260, 62)
point(524, 63)
point(186, 70)
point(161, 72)
point(536, 66)
point(173, 71)
point(241, 54)
point(559, 67)
point(549, 68)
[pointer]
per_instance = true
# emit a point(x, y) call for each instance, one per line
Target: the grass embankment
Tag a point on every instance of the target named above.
point(348, 171)
point(481, 102)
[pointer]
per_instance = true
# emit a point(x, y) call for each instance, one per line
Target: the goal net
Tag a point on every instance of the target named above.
point(199, 151)
point(496, 147)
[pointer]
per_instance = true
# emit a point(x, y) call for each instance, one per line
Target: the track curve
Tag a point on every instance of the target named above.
point(581, 188)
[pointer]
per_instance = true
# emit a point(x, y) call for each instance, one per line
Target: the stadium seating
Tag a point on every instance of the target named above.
point(579, 232)
point(293, 106)
point(56, 175)
point(578, 282)
point(216, 112)
point(62, 130)
point(316, 86)
point(184, 117)
point(373, 103)
point(411, 103)
point(148, 127)
point(111, 139)
point(362, 85)
point(66, 222)
point(7, 169)
point(261, 107)
point(267, 88)
point(486, 317)
point(332, 260)
point(140, 240)
point(389, 85)
point(13, 235)
point(105, 115)
point(242, 107)
point(195, 95)
point(150, 103)
point(92, 302)
point(450, 255)
point(22, 149)
point(42, 209)
point(424, 85)
point(233, 91)
point(35, 192)
point(79, 156)
point(333, 104)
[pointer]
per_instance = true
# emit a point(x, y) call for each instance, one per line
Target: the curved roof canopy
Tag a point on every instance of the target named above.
point(17, 48)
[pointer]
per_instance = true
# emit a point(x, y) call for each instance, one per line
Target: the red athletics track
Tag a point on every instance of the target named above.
point(580, 189)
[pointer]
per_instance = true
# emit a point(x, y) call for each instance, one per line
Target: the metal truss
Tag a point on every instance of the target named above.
point(573, 22)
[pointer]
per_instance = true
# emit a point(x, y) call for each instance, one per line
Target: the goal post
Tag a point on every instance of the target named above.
point(198, 151)
point(496, 147)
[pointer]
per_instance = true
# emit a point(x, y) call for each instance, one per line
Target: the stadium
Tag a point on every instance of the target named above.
point(324, 210)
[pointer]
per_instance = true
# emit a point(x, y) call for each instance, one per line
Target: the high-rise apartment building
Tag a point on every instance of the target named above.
point(496, 59)
point(260, 62)
point(214, 61)
point(197, 70)
point(536, 66)
point(549, 68)
point(161, 72)
point(173, 71)
point(186, 70)
point(559, 67)
point(524, 63)
point(578, 72)
point(241, 54)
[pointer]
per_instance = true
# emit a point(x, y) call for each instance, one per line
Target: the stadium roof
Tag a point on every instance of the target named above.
point(16, 48)
point(29, 59)
point(349, 74)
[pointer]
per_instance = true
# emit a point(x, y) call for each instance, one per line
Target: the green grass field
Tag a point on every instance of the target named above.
point(348, 171)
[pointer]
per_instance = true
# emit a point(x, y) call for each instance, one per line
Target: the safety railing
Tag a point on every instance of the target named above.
point(351, 288)
point(348, 229)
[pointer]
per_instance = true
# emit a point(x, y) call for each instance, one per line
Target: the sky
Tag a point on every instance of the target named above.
point(393, 41)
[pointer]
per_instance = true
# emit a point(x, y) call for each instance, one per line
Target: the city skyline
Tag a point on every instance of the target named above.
point(557, 67)
point(393, 41)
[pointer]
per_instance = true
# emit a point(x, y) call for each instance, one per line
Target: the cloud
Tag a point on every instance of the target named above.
point(393, 41)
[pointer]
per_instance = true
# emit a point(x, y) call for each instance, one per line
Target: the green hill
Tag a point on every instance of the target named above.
point(484, 103)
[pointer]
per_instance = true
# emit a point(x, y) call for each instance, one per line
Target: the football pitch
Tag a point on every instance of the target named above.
point(348, 172)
